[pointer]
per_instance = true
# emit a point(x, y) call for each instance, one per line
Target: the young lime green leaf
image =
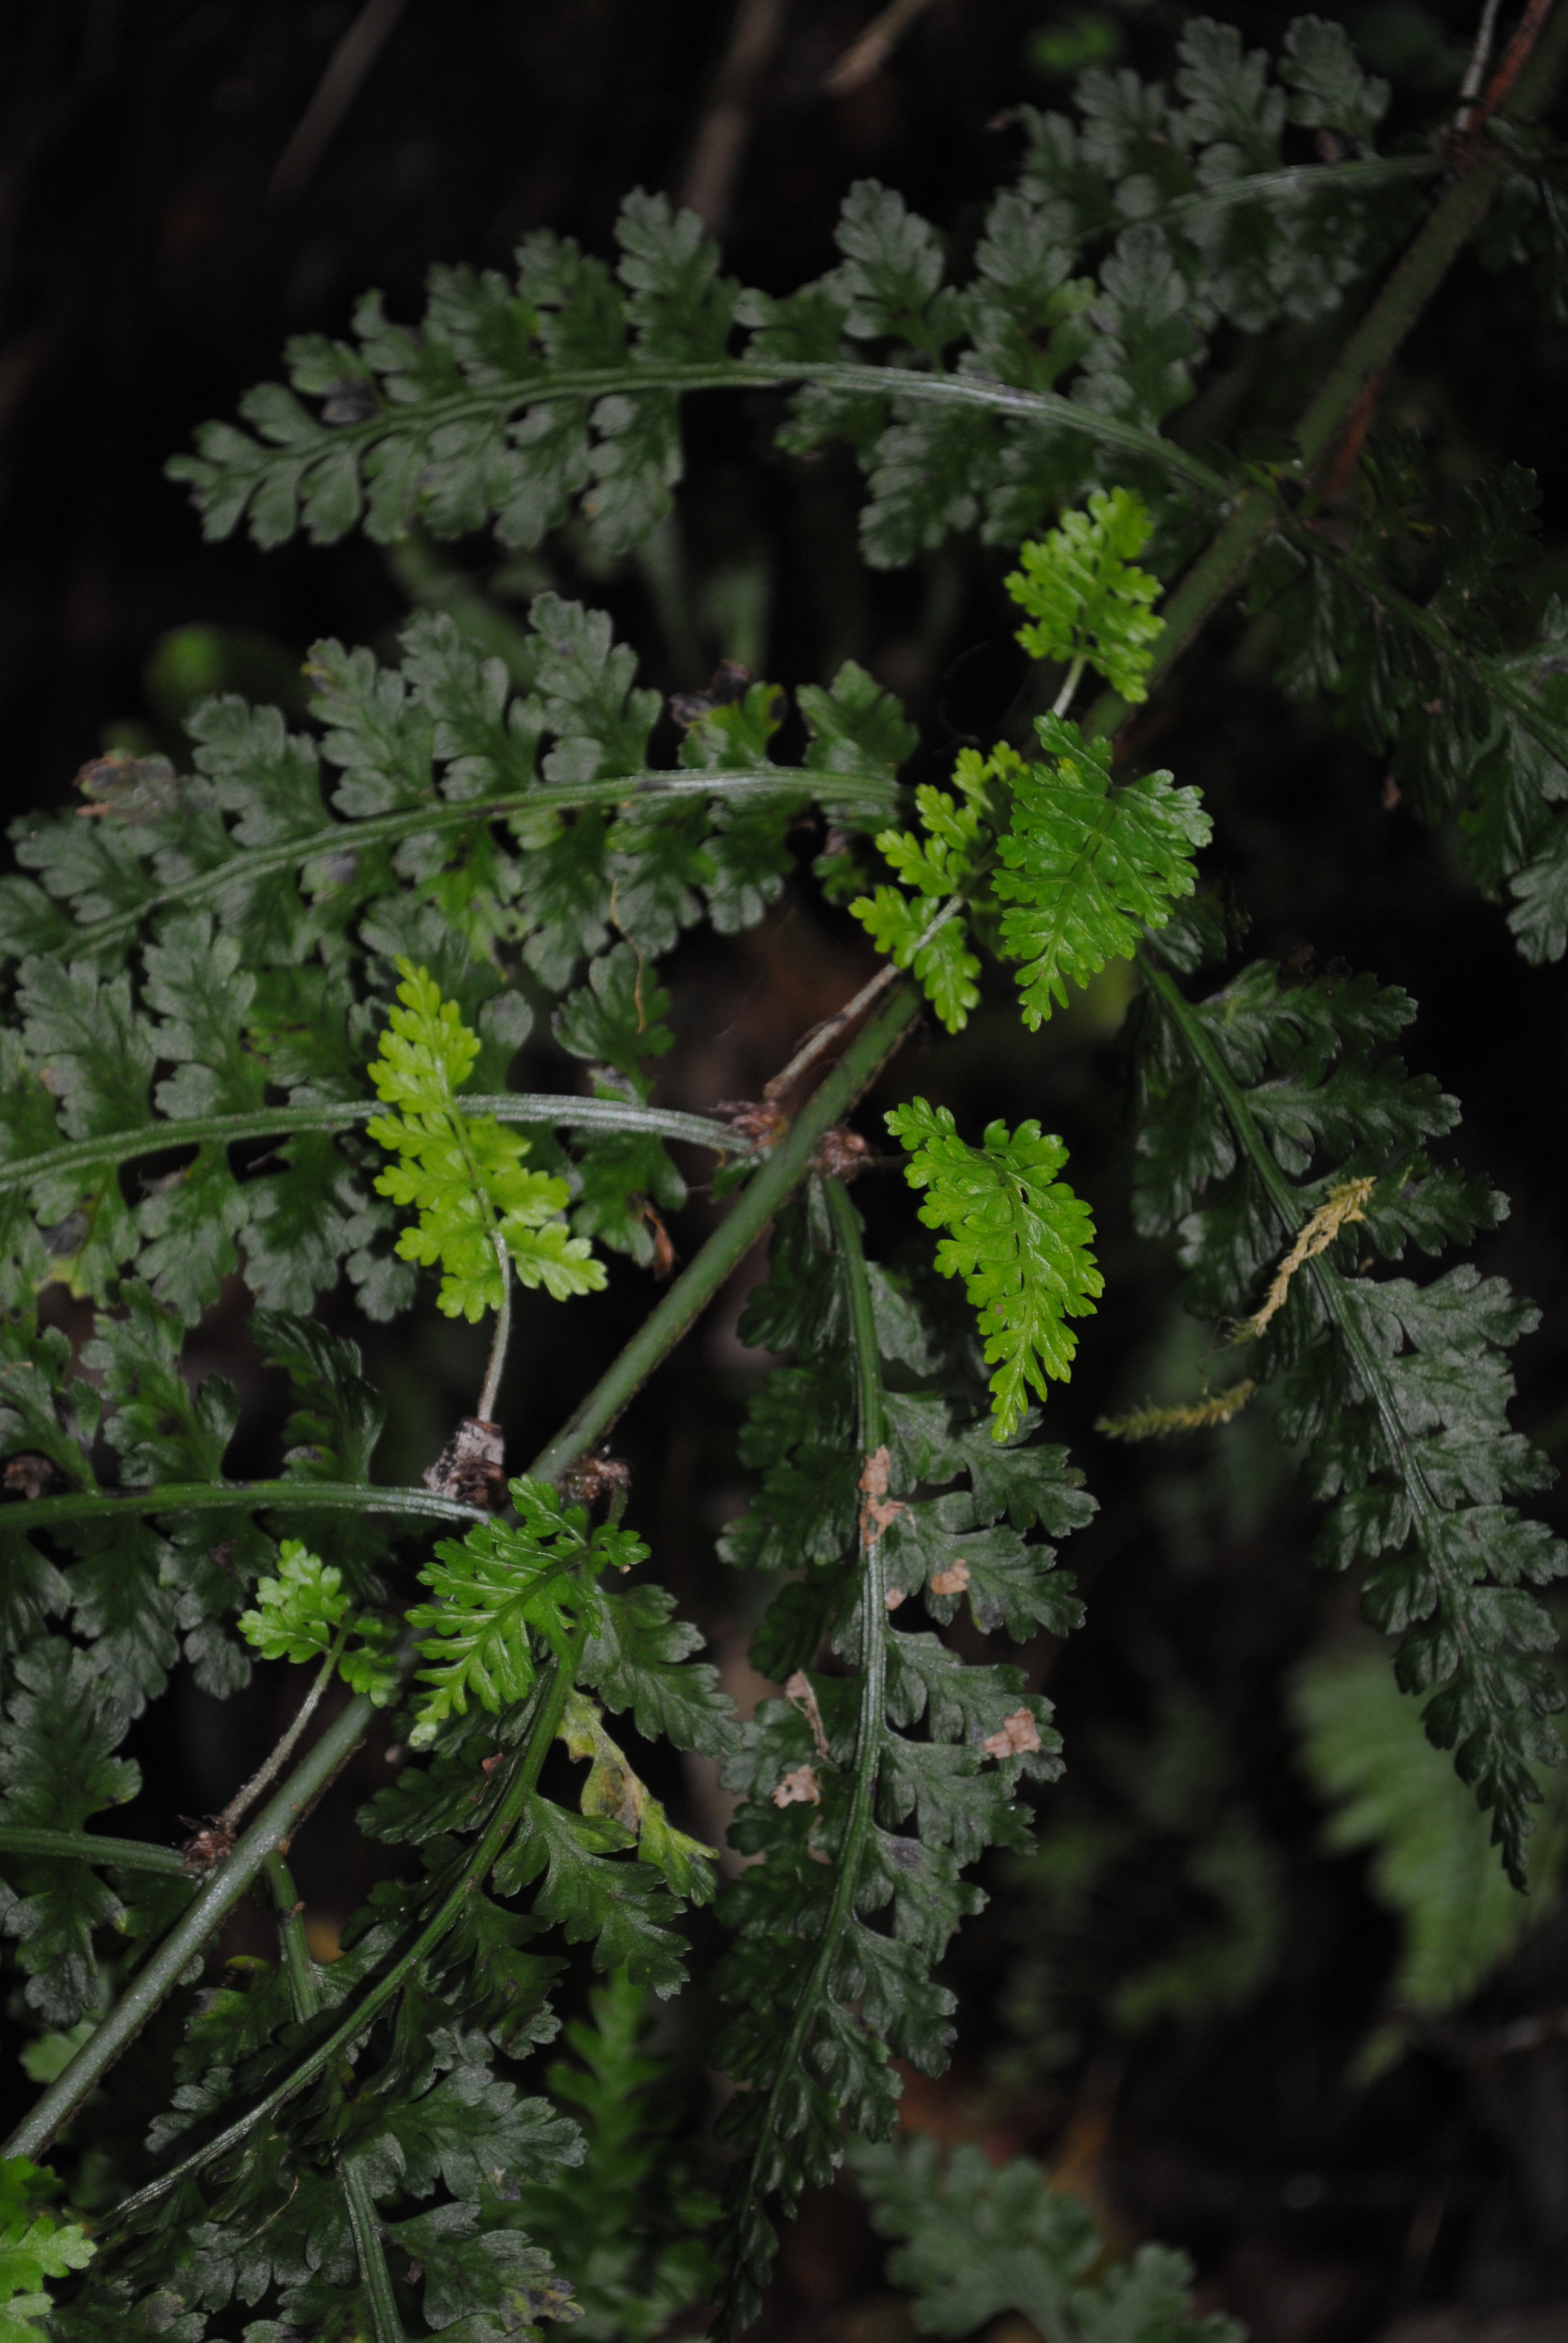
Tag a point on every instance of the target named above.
point(301, 1615)
point(462, 1173)
point(34, 2245)
point(1087, 868)
point(934, 943)
point(1085, 600)
point(1019, 1237)
point(502, 1593)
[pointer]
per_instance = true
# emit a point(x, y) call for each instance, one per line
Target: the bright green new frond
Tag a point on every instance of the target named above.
point(1088, 868)
point(934, 947)
point(34, 2245)
point(462, 1173)
point(502, 1593)
point(1087, 603)
point(1019, 1239)
point(303, 1614)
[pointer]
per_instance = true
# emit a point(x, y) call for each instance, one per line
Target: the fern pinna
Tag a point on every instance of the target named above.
point(290, 985)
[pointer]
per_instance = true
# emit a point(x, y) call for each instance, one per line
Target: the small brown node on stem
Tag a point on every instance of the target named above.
point(1014, 1737)
point(592, 1477)
point(472, 1467)
point(758, 1120)
point(800, 1788)
point(729, 684)
point(30, 1477)
point(840, 1154)
point(1390, 793)
point(880, 1511)
point(210, 1843)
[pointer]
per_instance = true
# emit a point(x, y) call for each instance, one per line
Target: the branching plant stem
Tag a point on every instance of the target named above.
point(304, 1998)
point(268, 1835)
point(86, 1847)
point(869, 1724)
point(548, 1706)
point(1441, 236)
point(271, 1765)
point(783, 1172)
point(485, 1408)
point(875, 792)
point(748, 1216)
point(547, 1107)
point(822, 1037)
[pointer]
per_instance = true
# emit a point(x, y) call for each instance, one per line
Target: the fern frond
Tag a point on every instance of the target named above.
point(1088, 604)
point(1086, 868)
point(1017, 1236)
point(35, 2246)
point(501, 1595)
point(462, 1173)
point(304, 1614)
point(1433, 1863)
point(1398, 1391)
point(975, 2239)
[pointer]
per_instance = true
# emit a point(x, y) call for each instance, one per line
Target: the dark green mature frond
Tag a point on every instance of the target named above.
point(975, 2239)
point(1454, 682)
point(1262, 1103)
point(829, 1971)
point(628, 2233)
point(474, 830)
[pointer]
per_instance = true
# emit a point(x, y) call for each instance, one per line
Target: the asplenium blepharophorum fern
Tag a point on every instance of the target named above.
point(204, 944)
point(462, 1173)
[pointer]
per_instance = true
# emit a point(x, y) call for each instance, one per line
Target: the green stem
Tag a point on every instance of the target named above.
point(733, 1239)
point(235, 1496)
point(871, 1722)
point(877, 792)
point(783, 1170)
point(593, 383)
point(550, 1703)
point(1447, 227)
point(246, 1796)
point(304, 1985)
point(305, 1997)
point(371, 2252)
point(547, 1107)
point(83, 1847)
point(484, 1408)
point(268, 1835)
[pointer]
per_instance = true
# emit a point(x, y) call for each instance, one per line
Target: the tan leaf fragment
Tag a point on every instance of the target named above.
point(951, 1581)
point(797, 1692)
point(800, 1788)
point(894, 1596)
point(874, 1474)
point(1015, 1735)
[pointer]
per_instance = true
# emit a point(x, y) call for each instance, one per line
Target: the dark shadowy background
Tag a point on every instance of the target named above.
point(183, 184)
